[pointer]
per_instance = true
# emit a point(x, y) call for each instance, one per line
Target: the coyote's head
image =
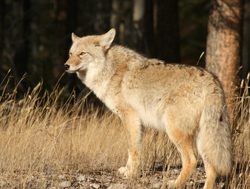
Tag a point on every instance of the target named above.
point(89, 51)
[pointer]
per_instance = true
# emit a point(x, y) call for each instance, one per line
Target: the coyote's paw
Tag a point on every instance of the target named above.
point(128, 173)
point(171, 184)
point(123, 171)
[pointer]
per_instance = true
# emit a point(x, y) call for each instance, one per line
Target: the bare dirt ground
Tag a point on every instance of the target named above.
point(98, 180)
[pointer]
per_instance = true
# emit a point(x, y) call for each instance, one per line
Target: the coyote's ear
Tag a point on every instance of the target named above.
point(107, 39)
point(74, 37)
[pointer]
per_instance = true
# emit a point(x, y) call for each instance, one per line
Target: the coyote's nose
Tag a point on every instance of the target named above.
point(66, 66)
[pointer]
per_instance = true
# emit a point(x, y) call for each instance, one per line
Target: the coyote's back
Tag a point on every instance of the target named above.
point(186, 102)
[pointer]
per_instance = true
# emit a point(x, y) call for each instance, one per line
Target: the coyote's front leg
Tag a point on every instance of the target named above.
point(134, 130)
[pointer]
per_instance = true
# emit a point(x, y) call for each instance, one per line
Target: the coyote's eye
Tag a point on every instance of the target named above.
point(82, 53)
point(70, 54)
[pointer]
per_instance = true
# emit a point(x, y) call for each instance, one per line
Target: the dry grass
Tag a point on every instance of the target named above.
point(38, 134)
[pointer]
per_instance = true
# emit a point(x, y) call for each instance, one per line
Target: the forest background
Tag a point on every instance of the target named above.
point(35, 35)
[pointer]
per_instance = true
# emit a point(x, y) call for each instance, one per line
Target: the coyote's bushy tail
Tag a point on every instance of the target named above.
point(214, 137)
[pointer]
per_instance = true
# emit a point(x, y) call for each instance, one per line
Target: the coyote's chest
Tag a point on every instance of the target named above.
point(112, 105)
point(107, 95)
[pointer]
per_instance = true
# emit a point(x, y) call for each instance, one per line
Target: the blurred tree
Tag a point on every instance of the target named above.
point(223, 45)
point(94, 17)
point(166, 30)
point(138, 24)
point(15, 46)
point(193, 30)
point(149, 29)
point(2, 12)
point(121, 18)
point(246, 40)
point(46, 33)
point(21, 57)
point(149, 26)
point(128, 17)
point(2, 23)
point(65, 21)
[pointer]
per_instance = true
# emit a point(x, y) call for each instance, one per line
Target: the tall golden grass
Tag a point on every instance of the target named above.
point(38, 133)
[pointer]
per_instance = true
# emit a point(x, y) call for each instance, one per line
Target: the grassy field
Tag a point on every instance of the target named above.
point(41, 137)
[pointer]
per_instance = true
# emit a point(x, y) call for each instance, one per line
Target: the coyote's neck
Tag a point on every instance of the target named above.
point(118, 60)
point(96, 80)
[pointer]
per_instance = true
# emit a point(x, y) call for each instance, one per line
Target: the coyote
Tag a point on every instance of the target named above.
point(186, 102)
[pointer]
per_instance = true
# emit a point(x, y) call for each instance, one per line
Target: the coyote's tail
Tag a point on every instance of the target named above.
point(214, 137)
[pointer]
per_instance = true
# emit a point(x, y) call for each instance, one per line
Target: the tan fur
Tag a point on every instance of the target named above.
point(186, 102)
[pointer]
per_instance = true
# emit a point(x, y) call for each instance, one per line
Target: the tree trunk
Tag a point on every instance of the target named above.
point(2, 22)
point(138, 12)
point(166, 30)
point(21, 58)
point(223, 45)
point(120, 19)
point(22, 55)
point(246, 40)
point(138, 23)
point(149, 31)
point(71, 25)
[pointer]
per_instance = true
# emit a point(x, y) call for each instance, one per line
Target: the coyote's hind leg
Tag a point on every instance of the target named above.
point(184, 144)
point(211, 175)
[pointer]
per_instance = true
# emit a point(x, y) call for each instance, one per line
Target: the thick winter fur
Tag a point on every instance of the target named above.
point(184, 101)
